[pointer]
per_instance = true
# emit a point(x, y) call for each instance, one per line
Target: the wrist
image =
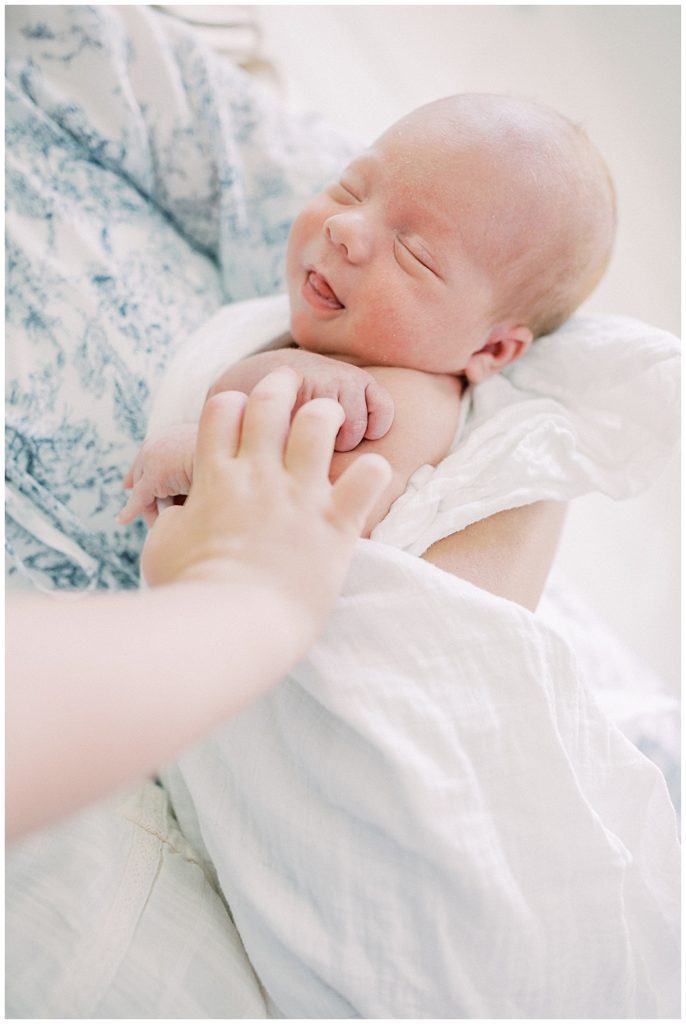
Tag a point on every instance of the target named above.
point(293, 622)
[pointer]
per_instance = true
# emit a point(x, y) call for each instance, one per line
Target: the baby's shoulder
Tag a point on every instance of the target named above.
point(427, 413)
point(415, 388)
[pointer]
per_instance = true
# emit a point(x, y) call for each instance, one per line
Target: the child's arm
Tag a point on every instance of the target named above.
point(262, 544)
point(367, 404)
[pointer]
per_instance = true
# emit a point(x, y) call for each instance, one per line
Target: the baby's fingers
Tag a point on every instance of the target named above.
point(358, 489)
point(353, 429)
point(131, 510)
point(150, 515)
point(310, 443)
point(380, 411)
point(138, 505)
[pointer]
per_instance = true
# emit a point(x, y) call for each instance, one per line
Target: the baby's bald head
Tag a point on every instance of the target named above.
point(541, 219)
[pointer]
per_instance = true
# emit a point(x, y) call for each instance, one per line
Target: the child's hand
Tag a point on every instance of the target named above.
point(262, 512)
point(367, 405)
point(163, 468)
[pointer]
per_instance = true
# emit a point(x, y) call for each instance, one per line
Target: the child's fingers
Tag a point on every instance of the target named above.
point(127, 514)
point(136, 506)
point(380, 411)
point(358, 488)
point(219, 430)
point(127, 482)
point(268, 415)
point(150, 515)
point(352, 431)
point(310, 443)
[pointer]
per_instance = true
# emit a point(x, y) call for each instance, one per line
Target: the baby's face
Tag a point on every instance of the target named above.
point(385, 267)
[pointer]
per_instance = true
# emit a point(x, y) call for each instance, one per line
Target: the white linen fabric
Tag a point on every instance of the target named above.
point(593, 407)
point(431, 816)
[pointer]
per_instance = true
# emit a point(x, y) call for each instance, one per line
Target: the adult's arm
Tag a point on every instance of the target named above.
point(509, 554)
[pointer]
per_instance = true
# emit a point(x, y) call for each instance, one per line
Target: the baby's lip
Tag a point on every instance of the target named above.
point(319, 291)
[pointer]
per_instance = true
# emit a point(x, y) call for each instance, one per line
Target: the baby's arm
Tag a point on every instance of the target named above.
point(427, 408)
point(367, 405)
point(163, 467)
point(426, 417)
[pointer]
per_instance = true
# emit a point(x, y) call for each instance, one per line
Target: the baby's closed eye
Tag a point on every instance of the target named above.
point(412, 255)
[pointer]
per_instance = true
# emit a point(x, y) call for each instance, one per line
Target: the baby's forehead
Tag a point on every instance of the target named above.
point(417, 186)
point(459, 131)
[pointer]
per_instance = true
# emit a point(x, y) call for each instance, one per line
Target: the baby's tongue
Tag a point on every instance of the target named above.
point(321, 285)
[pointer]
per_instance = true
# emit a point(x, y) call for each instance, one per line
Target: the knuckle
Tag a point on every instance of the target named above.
point(356, 425)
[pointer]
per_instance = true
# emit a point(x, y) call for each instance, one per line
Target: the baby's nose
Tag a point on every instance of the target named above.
point(348, 232)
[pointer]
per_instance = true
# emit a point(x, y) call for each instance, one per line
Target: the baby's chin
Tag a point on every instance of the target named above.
point(316, 341)
point(307, 333)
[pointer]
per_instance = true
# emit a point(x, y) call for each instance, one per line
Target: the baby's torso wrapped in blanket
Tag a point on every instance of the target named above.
point(430, 816)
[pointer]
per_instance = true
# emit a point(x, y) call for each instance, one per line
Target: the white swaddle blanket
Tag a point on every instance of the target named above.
point(430, 816)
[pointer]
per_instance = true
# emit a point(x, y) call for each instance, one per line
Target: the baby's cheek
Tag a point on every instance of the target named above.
point(382, 335)
point(306, 228)
point(302, 330)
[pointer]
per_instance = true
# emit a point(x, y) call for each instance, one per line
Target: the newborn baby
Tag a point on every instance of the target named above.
point(469, 228)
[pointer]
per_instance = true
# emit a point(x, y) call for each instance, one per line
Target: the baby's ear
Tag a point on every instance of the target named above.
point(505, 344)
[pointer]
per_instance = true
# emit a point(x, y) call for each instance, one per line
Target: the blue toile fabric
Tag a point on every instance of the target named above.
point(148, 181)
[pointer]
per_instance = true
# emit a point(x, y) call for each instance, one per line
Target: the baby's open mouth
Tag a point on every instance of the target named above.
point(321, 291)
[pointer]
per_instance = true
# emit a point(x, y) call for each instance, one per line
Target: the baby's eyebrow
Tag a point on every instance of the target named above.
point(358, 166)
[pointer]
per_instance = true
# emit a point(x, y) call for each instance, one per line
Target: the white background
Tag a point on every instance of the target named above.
point(615, 69)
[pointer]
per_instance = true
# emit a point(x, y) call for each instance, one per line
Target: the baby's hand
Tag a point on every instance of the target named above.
point(262, 514)
point(163, 468)
point(367, 405)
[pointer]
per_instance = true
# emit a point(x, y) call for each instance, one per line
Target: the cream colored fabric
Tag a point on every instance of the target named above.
point(113, 914)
